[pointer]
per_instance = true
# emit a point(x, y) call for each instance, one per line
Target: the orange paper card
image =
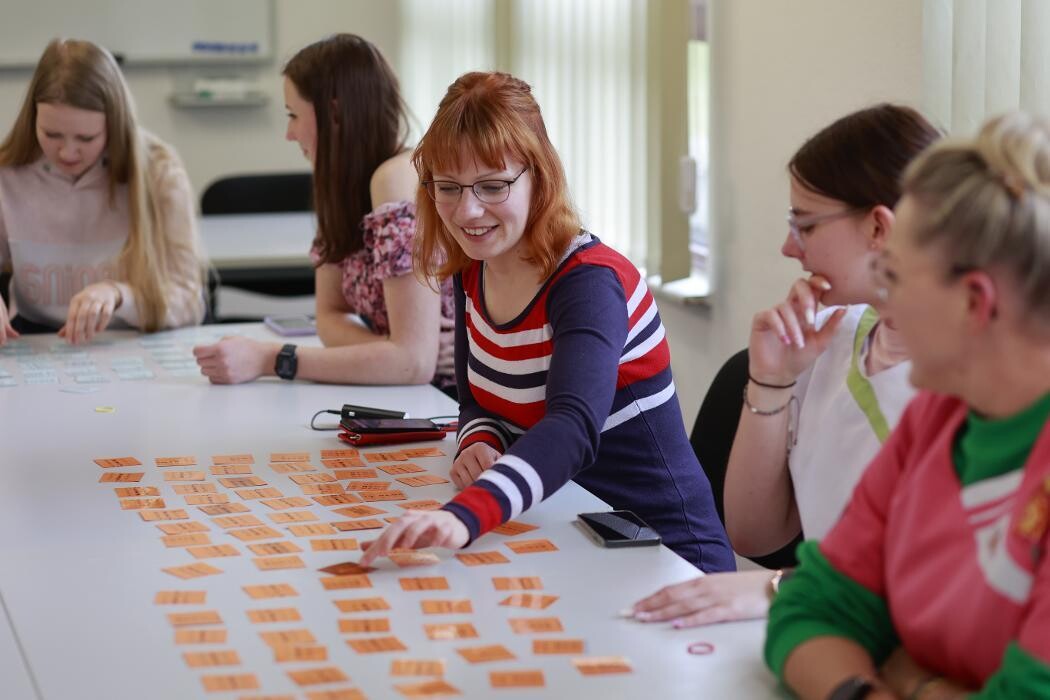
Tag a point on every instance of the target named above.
point(423, 480)
point(601, 665)
point(375, 645)
point(518, 583)
point(300, 652)
point(182, 528)
point(224, 509)
point(445, 607)
point(180, 597)
point(289, 456)
point(358, 511)
point(111, 462)
point(230, 469)
point(198, 659)
point(227, 522)
point(344, 545)
point(456, 630)
point(354, 525)
point(343, 463)
point(303, 479)
point(200, 636)
point(333, 489)
point(269, 549)
point(338, 499)
point(141, 503)
point(253, 494)
point(557, 646)
point(335, 583)
point(270, 590)
point(259, 532)
point(220, 684)
point(232, 459)
point(317, 676)
point(185, 476)
point(210, 551)
point(362, 625)
point(374, 457)
point(483, 654)
point(188, 489)
point(341, 474)
point(291, 561)
point(424, 583)
point(529, 601)
point(532, 625)
point(406, 468)
point(312, 529)
point(240, 482)
point(417, 667)
point(517, 679)
point(428, 504)
point(136, 491)
point(286, 503)
point(293, 516)
point(347, 568)
point(417, 452)
point(198, 618)
point(368, 486)
point(121, 478)
point(514, 527)
point(274, 615)
point(292, 467)
point(393, 495)
point(353, 605)
point(480, 558)
point(173, 514)
point(430, 689)
point(340, 454)
point(175, 461)
point(531, 546)
point(207, 499)
point(280, 638)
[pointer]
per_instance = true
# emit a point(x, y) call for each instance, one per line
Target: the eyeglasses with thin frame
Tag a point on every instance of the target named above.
point(801, 226)
point(487, 191)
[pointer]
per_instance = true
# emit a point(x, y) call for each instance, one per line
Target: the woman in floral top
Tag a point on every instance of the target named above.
point(346, 113)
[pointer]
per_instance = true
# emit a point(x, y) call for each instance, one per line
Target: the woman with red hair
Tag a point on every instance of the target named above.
point(563, 369)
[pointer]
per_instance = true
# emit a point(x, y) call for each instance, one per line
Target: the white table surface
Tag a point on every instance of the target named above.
point(79, 574)
point(258, 240)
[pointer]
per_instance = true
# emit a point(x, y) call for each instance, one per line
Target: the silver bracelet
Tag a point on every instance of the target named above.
point(760, 412)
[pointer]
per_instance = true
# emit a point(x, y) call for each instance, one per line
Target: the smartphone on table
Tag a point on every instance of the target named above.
point(618, 528)
point(291, 325)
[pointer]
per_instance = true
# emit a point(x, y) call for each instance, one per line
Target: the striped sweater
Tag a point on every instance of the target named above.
point(579, 387)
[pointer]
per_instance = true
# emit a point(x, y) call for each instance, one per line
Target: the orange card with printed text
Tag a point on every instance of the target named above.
point(230, 469)
point(557, 646)
point(517, 583)
point(279, 638)
point(136, 491)
point(531, 546)
point(353, 605)
point(286, 503)
point(185, 476)
point(173, 514)
point(482, 558)
point(484, 654)
point(428, 504)
point(269, 549)
point(303, 479)
point(418, 452)
point(113, 462)
point(533, 625)
point(121, 478)
point(289, 456)
point(424, 583)
point(208, 636)
point(601, 665)
point(225, 683)
point(361, 625)
point(141, 503)
point(343, 545)
point(188, 489)
point(182, 528)
point(232, 459)
point(417, 667)
point(335, 583)
point(290, 561)
point(230, 521)
point(240, 482)
point(292, 467)
point(450, 630)
point(318, 676)
point(203, 659)
point(376, 645)
point(293, 516)
point(341, 474)
point(253, 494)
point(263, 615)
point(210, 551)
point(180, 597)
point(517, 679)
point(312, 529)
point(429, 689)
point(207, 499)
point(321, 489)
point(259, 532)
point(346, 452)
point(198, 618)
point(270, 590)
point(338, 499)
point(446, 607)
point(529, 601)
point(175, 461)
point(514, 527)
point(392, 495)
point(358, 511)
point(224, 509)
point(300, 652)
point(374, 457)
point(422, 480)
point(405, 468)
point(343, 463)
point(347, 568)
point(354, 525)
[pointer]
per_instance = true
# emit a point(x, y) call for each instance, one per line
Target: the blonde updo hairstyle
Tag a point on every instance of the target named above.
point(985, 203)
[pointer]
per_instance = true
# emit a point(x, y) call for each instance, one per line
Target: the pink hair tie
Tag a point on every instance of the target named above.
point(701, 648)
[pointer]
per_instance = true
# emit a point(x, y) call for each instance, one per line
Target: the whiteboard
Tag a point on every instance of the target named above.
point(141, 31)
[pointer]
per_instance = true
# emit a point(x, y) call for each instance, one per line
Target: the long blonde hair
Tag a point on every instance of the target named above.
point(985, 203)
point(82, 75)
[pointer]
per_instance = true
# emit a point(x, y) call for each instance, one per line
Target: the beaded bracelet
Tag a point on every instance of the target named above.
point(760, 412)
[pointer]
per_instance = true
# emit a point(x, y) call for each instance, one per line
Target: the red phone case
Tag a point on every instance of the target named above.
point(390, 438)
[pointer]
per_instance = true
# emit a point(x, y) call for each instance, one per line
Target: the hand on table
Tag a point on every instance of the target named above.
point(6, 331)
point(417, 529)
point(234, 360)
point(471, 462)
point(722, 597)
point(90, 311)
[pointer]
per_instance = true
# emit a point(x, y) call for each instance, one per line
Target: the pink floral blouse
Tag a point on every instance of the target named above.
point(387, 252)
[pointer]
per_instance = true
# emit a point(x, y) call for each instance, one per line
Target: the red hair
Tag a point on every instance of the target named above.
point(492, 117)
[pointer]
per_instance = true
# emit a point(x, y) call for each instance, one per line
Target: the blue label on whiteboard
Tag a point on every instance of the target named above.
point(226, 47)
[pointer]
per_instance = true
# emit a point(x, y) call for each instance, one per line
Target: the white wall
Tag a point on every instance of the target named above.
point(781, 71)
point(220, 141)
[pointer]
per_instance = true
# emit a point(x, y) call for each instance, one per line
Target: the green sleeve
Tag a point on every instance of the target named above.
point(818, 601)
point(1020, 677)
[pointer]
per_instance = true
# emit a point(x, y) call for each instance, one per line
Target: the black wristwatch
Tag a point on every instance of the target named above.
point(286, 364)
point(853, 688)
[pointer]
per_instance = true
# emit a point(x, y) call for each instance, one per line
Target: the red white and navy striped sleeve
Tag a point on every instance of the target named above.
point(570, 375)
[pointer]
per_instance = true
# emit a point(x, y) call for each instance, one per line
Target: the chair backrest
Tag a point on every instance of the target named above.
point(258, 194)
point(712, 440)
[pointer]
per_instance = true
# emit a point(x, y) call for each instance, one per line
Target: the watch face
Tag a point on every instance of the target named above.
point(854, 688)
point(286, 363)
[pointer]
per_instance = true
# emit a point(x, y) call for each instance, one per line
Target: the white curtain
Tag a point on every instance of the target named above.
point(984, 57)
point(586, 63)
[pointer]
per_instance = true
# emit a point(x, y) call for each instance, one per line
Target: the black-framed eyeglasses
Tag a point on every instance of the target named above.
point(487, 191)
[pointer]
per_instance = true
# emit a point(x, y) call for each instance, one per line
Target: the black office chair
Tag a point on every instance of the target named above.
point(258, 194)
point(712, 440)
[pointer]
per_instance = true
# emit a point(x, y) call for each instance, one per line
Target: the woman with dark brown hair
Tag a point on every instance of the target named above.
point(346, 113)
point(825, 387)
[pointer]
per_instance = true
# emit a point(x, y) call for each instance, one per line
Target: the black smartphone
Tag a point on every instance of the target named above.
point(387, 425)
point(618, 528)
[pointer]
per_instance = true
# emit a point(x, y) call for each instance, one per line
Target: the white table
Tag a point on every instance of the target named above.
point(79, 575)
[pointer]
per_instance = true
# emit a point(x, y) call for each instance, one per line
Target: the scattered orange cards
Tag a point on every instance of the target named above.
point(514, 527)
point(291, 561)
point(240, 681)
point(407, 559)
point(424, 480)
point(182, 528)
point(174, 514)
point(259, 532)
point(230, 469)
point(481, 558)
point(175, 461)
point(269, 549)
point(445, 607)
point(270, 590)
point(133, 491)
point(180, 597)
point(289, 456)
point(430, 689)
point(111, 462)
point(601, 665)
point(198, 659)
point(406, 468)
point(200, 636)
point(121, 478)
point(184, 476)
point(317, 676)
point(352, 605)
point(451, 630)
point(424, 583)
point(227, 522)
point(417, 667)
point(517, 679)
point(232, 459)
point(199, 618)
point(211, 551)
point(186, 540)
point(531, 546)
point(274, 615)
point(375, 645)
point(519, 583)
point(358, 511)
point(532, 625)
point(557, 646)
point(348, 544)
point(354, 525)
point(311, 529)
point(336, 583)
point(529, 601)
point(364, 624)
point(483, 654)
